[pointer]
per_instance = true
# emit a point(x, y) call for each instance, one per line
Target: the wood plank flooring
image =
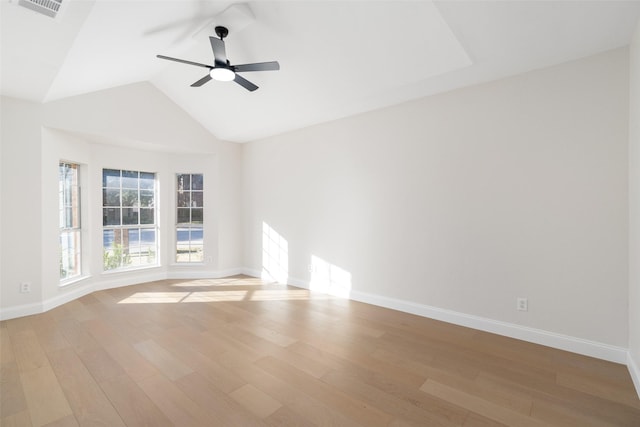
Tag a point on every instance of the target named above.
point(243, 352)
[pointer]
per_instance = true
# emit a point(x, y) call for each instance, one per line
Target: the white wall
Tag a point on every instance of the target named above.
point(634, 210)
point(136, 115)
point(135, 128)
point(464, 201)
point(21, 231)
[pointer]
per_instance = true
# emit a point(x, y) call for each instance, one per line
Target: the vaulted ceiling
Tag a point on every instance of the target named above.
point(337, 58)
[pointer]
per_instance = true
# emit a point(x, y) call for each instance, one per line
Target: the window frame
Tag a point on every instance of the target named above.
point(190, 226)
point(70, 227)
point(125, 227)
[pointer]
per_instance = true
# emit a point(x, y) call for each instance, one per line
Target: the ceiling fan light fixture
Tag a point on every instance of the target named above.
point(222, 74)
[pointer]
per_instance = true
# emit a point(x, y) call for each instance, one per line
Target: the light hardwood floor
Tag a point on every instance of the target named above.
point(241, 352)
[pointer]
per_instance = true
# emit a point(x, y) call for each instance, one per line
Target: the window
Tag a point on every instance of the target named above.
point(189, 243)
point(128, 218)
point(69, 214)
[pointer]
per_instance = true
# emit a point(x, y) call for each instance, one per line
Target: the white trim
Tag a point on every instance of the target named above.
point(634, 371)
point(251, 272)
point(68, 283)
point(46, 305)
point(525, 333)
point(126, 279)
point(20, 311)
point(129, 281)
point(66, 297)
point(299, 283)
point(205, 274)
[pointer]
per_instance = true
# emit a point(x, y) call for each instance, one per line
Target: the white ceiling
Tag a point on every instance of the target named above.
point(337, 58)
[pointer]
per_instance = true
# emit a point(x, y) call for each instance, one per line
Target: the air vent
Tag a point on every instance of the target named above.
point(45, 7)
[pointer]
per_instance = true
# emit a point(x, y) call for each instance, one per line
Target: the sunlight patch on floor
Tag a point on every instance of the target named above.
point(216, 296)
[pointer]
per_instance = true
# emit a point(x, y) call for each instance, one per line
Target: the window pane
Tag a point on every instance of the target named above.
point(146, 198)
point(183, 216)
point(182, 236)
point(182, 245)
point(70, 254)
point(129, 179)
point(111, 216)
point(146, 216)
point(196, 254)
point(196, 236)
point(196, 199)
point(196, 215)
point(68, 217)
point(131, 236)
point(130, 216)
point(148, 238)
point(111, 178)
point(147, 180)
point(130, 198)
point(111, 197)
point(108, 238)
point(196, 182)
point(184, 182)
point(147, 246)
point(112, 249)
point(184, 199)
point(131, 245)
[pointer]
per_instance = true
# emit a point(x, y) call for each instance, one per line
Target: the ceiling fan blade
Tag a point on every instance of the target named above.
point(219, 51)
point(202, 81)
point(184, 61)
point(245, 83)
point(258, 66)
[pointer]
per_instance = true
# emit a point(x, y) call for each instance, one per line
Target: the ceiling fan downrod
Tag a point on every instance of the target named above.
point(222, 32)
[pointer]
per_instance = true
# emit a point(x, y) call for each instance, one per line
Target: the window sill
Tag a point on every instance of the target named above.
point(73, 281)
point(130, 270)
point(187, 264)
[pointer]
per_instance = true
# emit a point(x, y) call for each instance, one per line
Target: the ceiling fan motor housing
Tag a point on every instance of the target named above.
point(222, 32)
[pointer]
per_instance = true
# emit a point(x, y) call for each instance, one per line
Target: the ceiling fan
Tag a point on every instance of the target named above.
point(222, 70)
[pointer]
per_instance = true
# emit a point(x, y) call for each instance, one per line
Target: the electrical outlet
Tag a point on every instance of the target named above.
point(522, 304)
point(25, 287)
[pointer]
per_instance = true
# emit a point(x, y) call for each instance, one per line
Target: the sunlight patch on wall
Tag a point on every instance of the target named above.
point(275, 255)
point(329, 279)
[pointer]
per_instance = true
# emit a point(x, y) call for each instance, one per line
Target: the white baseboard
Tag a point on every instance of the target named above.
point(46, 305)
point(205, 274)
point(68, 296)
point(537, 336)
point(251, 272)
point(120, 279)
point(634, 371)
point(109, 281)
point(525, 333)
point(20, 311)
